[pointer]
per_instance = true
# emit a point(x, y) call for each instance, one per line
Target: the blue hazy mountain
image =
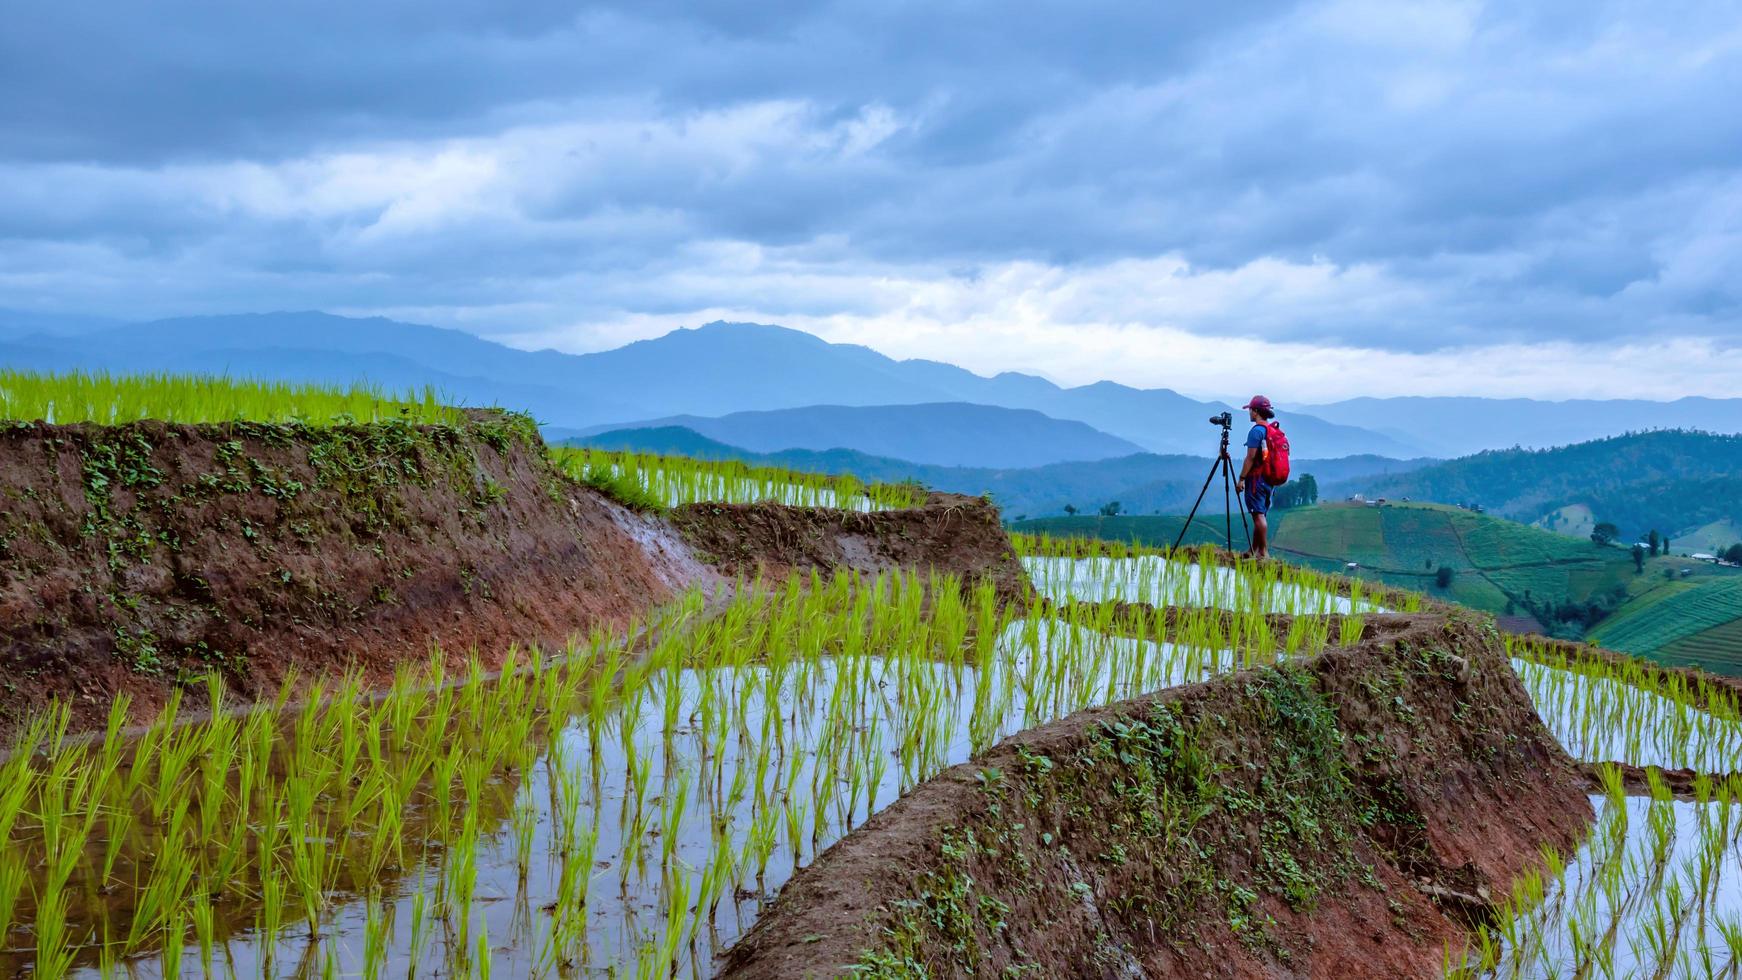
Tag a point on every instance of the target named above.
point(946, 433)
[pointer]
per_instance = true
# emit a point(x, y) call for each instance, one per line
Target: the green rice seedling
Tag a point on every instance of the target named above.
point(377, 931)
point(462, 876)
point(205, 925)
point(676, 911)
point(174, 933)
point(171, 875)
point(12, 879)
point(525, 824)
point(54, 942)
point(419, 926)
point(273, 899)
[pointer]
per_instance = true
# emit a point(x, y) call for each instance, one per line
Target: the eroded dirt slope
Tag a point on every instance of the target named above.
point(134, 554)
point(1339, 817)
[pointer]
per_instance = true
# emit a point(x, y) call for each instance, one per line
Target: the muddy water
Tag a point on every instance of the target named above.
point(1643, 897)
point(1158, 581)
point(810, 726)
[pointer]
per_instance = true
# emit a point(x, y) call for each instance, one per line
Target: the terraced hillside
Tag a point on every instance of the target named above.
point(1692, 623)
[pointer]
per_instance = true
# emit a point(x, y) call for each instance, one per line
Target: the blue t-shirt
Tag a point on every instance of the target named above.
point(1255, 438)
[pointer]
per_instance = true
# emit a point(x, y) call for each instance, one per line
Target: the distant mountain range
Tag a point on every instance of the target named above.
point(946, 434)
point(726, 369)
point(709, 371)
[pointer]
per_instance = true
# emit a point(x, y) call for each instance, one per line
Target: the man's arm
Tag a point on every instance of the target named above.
point(1253, 458)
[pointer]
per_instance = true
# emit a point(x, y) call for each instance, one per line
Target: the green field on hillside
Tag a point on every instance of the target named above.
point(1710, 538)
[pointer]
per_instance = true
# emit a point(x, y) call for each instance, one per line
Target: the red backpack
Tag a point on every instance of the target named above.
point(1274, 466)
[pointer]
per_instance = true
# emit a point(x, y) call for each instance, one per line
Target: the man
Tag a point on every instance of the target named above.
point(1251, 485)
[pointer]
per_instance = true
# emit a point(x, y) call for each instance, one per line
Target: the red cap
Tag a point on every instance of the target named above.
point(1259, 402)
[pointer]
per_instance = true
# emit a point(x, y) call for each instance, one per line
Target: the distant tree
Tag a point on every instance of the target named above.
point(1110, 509)
point(1669, 573)
point(1653, 539)
point(1511, 606)
point(1638, 558)
point(1605, 533)
point(1430, 564)
point(1443, 577)
point(1303, 492)
point(1734, 552)
point(1071, 509)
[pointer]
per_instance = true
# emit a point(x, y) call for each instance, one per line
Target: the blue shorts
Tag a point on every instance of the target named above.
point(1257, 496)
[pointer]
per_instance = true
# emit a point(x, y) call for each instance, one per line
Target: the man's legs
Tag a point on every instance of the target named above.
point(1260, 536)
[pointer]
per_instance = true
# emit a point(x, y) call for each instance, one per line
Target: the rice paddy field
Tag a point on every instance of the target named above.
point(611, 813)
point(629, 805)
point(670, 481)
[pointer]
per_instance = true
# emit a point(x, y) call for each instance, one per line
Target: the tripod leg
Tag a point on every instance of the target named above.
point(1244, 527)
point(1188, 524)
point(1227, 501)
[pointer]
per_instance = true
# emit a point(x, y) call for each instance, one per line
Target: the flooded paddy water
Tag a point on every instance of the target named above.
point(556, 822)
point(1656, 888)
point(1158, 581)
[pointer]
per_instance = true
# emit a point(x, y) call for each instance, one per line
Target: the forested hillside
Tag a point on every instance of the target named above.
point(1671, 481)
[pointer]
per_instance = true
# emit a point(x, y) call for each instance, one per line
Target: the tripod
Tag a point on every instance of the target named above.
point(1225, 465)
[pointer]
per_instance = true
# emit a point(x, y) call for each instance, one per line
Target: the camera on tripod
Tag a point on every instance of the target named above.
point(1224, 465)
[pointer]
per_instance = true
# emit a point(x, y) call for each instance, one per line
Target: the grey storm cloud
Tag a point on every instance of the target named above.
point(1495, 173)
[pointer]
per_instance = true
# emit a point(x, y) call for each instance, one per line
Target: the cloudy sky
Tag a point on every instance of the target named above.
point(1324, 199)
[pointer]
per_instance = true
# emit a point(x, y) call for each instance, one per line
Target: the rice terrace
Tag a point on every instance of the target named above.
point(320, 682)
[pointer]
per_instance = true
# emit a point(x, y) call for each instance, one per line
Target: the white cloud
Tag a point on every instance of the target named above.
point(1339, 197)
point(1158, 323)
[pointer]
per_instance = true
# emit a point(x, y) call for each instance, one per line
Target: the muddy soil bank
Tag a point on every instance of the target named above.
point(136, 557)
point(1341, 816)
point(949, 534)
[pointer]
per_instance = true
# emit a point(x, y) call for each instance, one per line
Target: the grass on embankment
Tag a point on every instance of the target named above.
point(112, 400)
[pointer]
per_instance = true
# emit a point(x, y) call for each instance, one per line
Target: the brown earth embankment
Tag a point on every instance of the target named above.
point(949, 534)
point(1343, 816)
point(136, 557)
